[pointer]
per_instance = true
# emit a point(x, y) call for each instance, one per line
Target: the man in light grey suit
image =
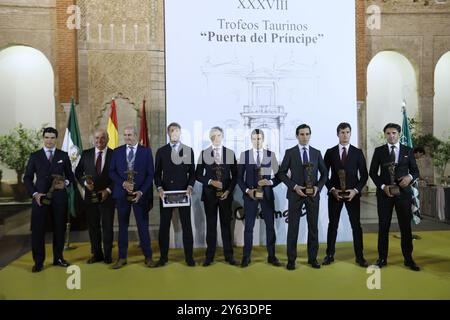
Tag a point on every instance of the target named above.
point(304, 163)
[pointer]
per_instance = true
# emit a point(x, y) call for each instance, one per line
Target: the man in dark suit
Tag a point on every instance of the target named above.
point(304, 163)
point(217, 171)
point(175, 170)
point(45, 164)
point(93, 173)
point(255, 171)
point(348, 163)
point(399, 158)
point(132, 172)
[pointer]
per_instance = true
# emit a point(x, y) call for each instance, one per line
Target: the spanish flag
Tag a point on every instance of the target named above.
point(112, 129)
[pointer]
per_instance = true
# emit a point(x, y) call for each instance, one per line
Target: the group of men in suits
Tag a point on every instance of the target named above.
point(123, 179)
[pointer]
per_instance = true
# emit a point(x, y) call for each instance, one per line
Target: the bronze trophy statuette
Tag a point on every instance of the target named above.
point(94, 196)
point(130, 178)
point(309, 186)
point(394, 189)
point(219, 177)
point(259, 192)
point(343, 185)
point(47, 199)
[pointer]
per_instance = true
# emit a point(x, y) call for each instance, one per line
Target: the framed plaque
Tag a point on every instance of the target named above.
point(178, 198)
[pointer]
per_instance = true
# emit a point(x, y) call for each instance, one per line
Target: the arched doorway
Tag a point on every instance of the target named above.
point(391, 79)
point(26, 92)
point(442, 98)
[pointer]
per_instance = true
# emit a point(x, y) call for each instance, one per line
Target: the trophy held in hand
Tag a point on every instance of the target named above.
point(218, 171)
point(259, 192)
point(342, 192)
point(309, 185)
point(394, 189)
point(130, 179)
point(56, 179)
point(94, 197)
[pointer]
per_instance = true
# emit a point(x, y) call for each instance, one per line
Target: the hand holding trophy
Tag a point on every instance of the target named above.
point(57, 184)
point(309, 190)
point(94, 197)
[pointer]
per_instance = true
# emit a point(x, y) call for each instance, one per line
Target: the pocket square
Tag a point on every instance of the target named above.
point(60, 161)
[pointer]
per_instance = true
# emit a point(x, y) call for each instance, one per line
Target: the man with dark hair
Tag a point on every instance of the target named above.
point(255, 170)
point(397, 160)
point(348, 169)
point(174, 171)
point(53, 172)
point(304, 163)
point(217, 171)
point(93, 173)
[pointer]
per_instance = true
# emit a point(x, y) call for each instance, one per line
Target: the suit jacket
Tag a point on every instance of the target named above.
point(205, 172)
point(39, 165)
point(86, 166)
point(355, 163)
point(379, 171)
point(143, 165)
point(174, 176)
point(247, 176)
point(293, 162)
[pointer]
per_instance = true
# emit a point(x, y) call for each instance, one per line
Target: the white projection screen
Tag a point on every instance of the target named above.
point(246, 64)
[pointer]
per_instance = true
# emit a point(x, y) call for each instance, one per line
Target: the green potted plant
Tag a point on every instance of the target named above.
point(15, 149)
point(441, 157)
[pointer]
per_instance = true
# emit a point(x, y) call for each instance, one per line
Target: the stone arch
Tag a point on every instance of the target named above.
point(442, 97)
point(27, 90)
point(128, 113)
point(391, 79)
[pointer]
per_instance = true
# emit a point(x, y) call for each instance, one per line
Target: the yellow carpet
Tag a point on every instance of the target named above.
point(341, 280)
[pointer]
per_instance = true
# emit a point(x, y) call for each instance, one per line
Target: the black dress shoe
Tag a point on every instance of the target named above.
point(290, 265)
point(207, 262)
point(328, 260)
point(231, 261)
point(245, 262)
point(381, 263)
point(160, 263)
point(412, 265)
point(362, 262)
point(274, 261)
point(94, 259)
point(107, 260)
point(314, 264)
point(190, 262)
point(61, 263)
point(37, 268)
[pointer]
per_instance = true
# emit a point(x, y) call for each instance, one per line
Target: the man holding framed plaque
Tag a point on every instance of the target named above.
point(304, 163)
point(53, 172)
point(132, 172)
point(255, 170)
point(393, 169)
point(217, 171)
point(348, 177)
point(93, 173)
point(175, 179)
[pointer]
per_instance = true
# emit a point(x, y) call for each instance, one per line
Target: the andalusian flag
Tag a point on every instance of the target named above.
point(407, 140)
point(73, 146)
point(113, 129)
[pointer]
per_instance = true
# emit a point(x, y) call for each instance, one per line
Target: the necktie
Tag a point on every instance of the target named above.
point(305, 155)
point(131, 154)
point(258, 159)
point(98, 163)
point(216, 156)
point(344, 155)
point(392, 154)
point(50, 156)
